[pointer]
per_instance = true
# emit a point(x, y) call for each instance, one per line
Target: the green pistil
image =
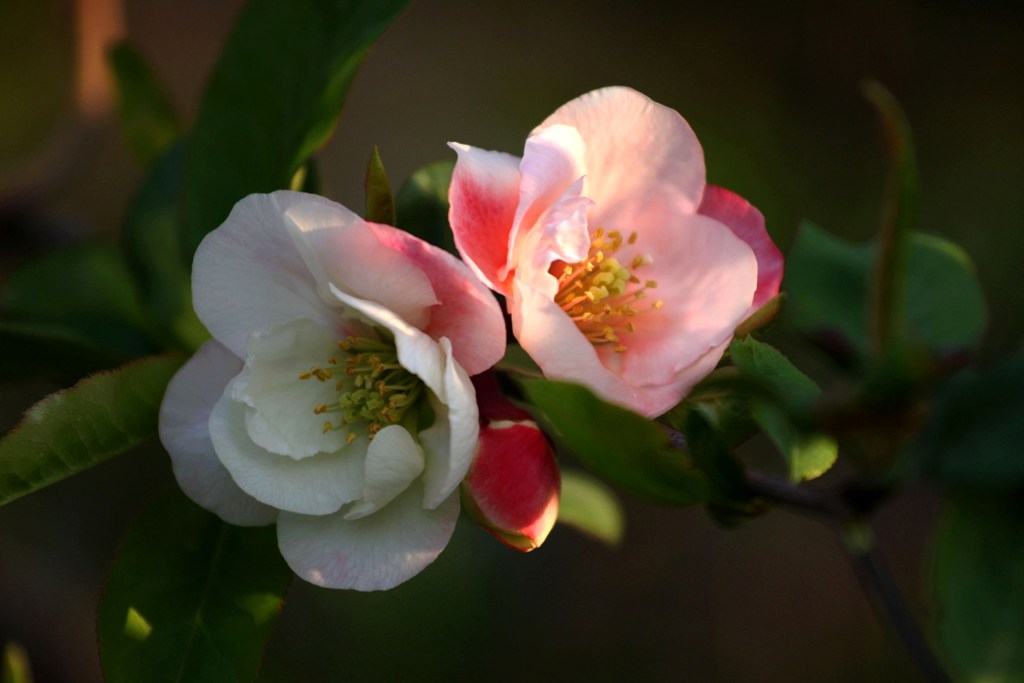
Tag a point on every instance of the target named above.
point(376, 390)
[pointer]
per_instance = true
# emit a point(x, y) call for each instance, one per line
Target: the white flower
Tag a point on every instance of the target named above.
point(334, 397)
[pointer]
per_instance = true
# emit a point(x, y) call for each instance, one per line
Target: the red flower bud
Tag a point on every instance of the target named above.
point(513, 486)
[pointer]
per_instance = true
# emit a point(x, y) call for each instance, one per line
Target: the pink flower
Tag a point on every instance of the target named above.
point(334, 397)
point(513, 486)
point(623, 270)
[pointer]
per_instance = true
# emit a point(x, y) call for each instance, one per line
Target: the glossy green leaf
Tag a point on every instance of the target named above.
point(899, 219)
point(16, 668)
point(807, 455)
point(74, 429)
point(591, 507)
point(73, 310)
point(724, 398)
point(975, 434)
point(422, 205)
point(380, 203)
point(978, 577)
point(827, 283)
point(273, 99)
point(147, 117)
point(152, 245)
point(620, 446)
point(189, 598)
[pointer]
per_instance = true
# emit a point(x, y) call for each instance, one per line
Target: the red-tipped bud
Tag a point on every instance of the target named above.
point(512, 489)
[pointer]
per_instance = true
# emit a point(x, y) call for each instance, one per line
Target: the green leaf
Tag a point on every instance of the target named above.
point(620, 446)
point(827, 283)
point(714, 459)
point(380, 204)
point(16, 668)
point(74, 429)
point(422, 205)
point(189, 598)
point(147, 116)
point(724, 398)
point(975, 433)
point(978, 577)
point(591, 507)
point(761, 318)
point(72, 311)
point(152, 245)
point(808, 455)
point(899, 218)
point(273, 99)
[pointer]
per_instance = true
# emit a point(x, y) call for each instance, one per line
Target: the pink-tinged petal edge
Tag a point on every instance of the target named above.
point(377, 552)
point(468, 313)
point(483, 198)
point(748, 224)
point(184, 431)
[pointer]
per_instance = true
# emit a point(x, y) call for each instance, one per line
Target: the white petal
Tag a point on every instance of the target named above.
point(450, 443)
point(281, 417)
point(248, 275)
point(317, 485)
point(184, 432)
point(392, 463)
point(417, 352)
point(377, 552)
point(340, 248)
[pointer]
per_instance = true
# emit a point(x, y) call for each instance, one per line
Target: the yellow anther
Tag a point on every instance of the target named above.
point(651, 284)
point(305, 375)
point(632, 238)
point(320, 409)
point(350, 437)
point(658, 304)
point(619, 348)
point(327, 427)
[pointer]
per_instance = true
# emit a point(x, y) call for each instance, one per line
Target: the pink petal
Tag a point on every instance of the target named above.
point(376, 552)
point(484, 194)
point(248, 275)
point(341, 249)
point(468, 313)
point(184, 431)
point(633, 144)
point(747, 223)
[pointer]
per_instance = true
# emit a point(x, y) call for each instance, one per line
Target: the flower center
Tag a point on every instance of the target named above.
point(600, 294)
point(373, 389)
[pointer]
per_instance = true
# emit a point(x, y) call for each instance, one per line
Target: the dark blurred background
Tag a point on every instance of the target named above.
point(771, 90)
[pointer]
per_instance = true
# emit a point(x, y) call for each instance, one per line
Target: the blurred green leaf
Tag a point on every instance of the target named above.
point(978, 577)
point(975, 434)
point(807, 455)
point(273, 99)
point(81, 300)
point(422, 205)
point(827, 287)
point(16, 667)
point(380, 204)
point(590, 506)
point(147, 117)
point(74, 429)
point(761, 318)
point(189, 598)
point(620, 446)
point(714, 459)
point(899, 219)
point(151, 243)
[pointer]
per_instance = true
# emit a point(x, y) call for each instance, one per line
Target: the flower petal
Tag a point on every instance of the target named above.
point(247, 274)
point(317, 485)
point(552, 174)
point(377, 552)
point(340, 248)
point(281, 418)
point(633, 144)
point(747, 223)
point(451, 442)
point(393, 461)
point(468, 313)
point(184, 432)
point(705, 282)
point(483, 195)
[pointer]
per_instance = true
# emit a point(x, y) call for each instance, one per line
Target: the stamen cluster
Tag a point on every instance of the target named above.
point(374, 388)
point(599, 293)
